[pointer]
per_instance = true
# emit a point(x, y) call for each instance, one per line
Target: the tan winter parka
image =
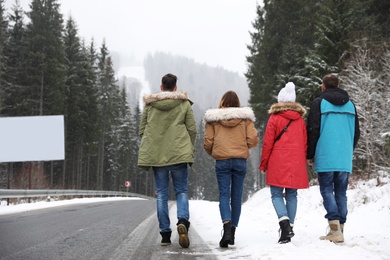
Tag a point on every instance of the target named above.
point(230, 132)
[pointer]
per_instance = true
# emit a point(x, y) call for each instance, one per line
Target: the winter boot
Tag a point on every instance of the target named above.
point(286, 232)
point(166, 238)
point(342, 228)
point(289, 239)
point(227, 231)
point(233, 232)
point(335, 234)
point(292, 231)
point(182, 228)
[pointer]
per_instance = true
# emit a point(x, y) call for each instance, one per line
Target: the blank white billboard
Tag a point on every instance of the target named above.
point(32, 138)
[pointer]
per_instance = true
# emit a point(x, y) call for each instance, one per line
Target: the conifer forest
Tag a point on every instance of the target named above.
point(47, 68)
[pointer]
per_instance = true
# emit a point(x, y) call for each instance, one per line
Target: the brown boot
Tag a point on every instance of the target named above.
point(335, 234)
point(182, 228)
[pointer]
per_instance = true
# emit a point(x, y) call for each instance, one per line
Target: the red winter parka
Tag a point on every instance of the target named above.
point(285, 160)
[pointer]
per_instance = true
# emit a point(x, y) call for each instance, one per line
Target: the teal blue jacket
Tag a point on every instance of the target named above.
point(333, 131)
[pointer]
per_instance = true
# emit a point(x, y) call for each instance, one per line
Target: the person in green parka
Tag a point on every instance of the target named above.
point(168, 132)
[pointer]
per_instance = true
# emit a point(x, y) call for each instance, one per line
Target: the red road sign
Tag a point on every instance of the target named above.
point(128, 183)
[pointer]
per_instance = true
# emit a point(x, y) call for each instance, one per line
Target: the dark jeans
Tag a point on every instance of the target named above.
point(333, 188)
point(230, 176)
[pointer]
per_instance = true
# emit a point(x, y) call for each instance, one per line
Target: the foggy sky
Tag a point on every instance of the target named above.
point(214, 32)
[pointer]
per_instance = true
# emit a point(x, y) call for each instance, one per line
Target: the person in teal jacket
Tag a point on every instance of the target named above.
point(333, 132)
point(168, 132)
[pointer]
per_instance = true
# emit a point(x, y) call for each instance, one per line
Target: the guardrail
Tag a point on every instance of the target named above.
point(17, 193)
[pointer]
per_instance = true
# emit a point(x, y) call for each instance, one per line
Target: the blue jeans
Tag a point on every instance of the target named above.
point(179, 174)
point(333, 188)
point(230, 176)
point(288, 208)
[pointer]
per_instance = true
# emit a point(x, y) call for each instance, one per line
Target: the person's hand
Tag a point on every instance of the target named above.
point(263, 172)
point(310, 162)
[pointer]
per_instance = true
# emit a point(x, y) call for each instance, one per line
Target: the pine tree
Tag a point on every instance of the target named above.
point(72, 93)
point(91, 114)
point(45, 56)
point(124, 133)
point(4, 178)
point(3, 40)
point(282, 38)
point(81, 107)
point(109, 119)
point(257, 68)
point(16, 99)
point(337, 25)
point(202, 179)
point(378, 13)
point(136, 174)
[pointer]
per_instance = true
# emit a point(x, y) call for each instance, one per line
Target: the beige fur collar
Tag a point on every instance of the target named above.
point(149, 98)
point(284, 106)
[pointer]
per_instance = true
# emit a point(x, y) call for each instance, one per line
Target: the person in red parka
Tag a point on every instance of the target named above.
point(283, 157)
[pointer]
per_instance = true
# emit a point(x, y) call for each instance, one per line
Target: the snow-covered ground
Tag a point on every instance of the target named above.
point(367, 231)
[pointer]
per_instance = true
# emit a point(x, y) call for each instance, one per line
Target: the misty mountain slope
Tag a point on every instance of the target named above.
point(204, 84)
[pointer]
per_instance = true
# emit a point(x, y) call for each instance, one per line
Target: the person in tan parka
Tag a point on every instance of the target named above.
point(229, 134)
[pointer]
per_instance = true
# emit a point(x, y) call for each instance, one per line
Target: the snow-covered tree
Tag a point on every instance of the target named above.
point(366, 78)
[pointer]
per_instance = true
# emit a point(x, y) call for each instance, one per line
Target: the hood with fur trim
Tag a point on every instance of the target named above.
point(285, 106)
point(229, 113)
point(166, 100)
point(149, 98)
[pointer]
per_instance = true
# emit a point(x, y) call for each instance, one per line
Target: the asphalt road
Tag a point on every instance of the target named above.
point(105, 230)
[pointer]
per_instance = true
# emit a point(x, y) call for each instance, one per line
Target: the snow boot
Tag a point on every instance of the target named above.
point(182, 228)
point(166, 238)
point(335, 235)
point(289, 239)
point(286, 232)
point(292, 231)
point(233, 232)
point(227, 232)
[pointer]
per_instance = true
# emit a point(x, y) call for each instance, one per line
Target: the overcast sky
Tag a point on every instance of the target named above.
point(214, 32)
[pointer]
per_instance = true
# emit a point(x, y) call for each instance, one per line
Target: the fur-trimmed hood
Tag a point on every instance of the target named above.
point(285, 106)
point(149, 98)
point(229, 113)
point(166, 100)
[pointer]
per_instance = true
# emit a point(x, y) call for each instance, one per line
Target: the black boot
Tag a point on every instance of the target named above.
point(182, 228)
point(232, 235)
point(286, 232)
point(289, 239)
point(166, 238)
point(292, 231)
point(227, 231)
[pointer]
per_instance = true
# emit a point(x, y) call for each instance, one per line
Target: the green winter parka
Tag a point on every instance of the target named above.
point(167, 130)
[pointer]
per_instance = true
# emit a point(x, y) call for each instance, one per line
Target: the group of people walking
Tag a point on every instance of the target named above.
point(326, 141)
